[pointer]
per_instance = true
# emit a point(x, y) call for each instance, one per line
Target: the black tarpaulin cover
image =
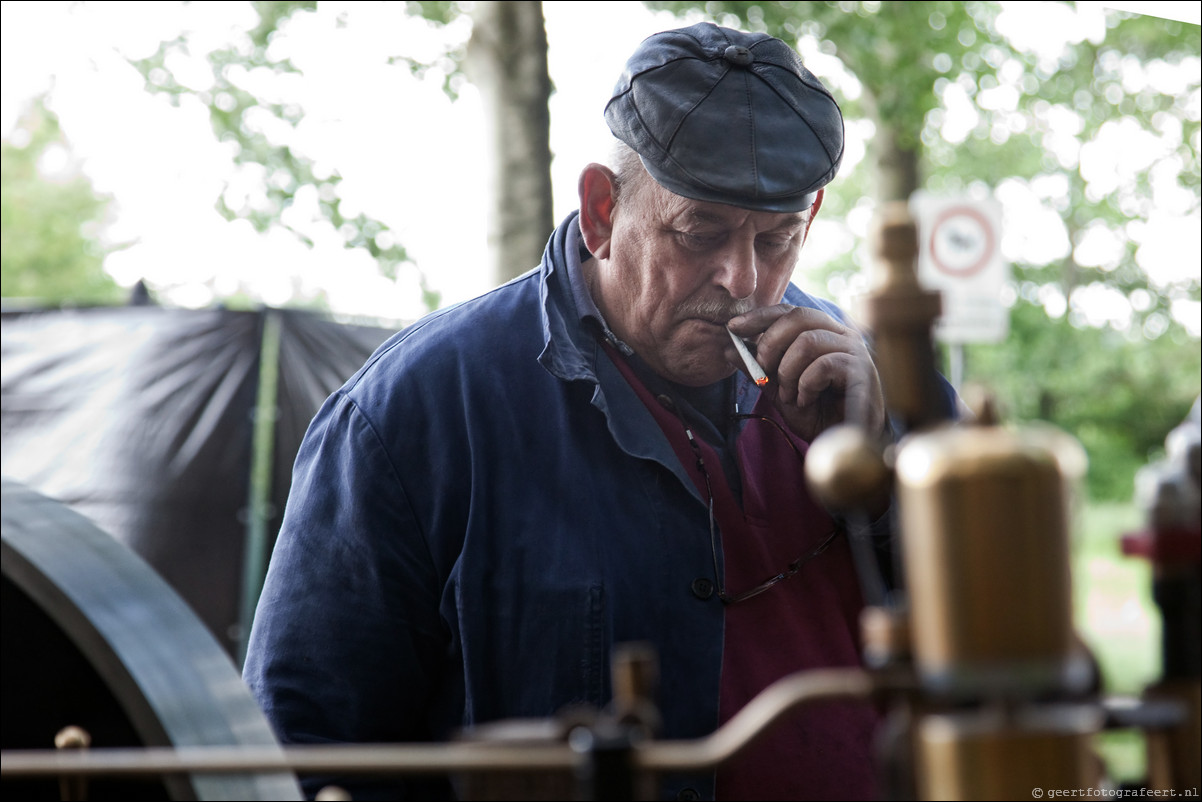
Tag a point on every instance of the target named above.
point(144, 420)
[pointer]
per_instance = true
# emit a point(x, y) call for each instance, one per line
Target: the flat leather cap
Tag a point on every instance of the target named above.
point(721, 115)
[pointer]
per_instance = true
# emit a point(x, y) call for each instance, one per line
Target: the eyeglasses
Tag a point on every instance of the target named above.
point(792, 568)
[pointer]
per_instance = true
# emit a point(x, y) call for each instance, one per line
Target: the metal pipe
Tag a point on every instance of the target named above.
point(735, 735)
point(348, 759)
point(772, 704)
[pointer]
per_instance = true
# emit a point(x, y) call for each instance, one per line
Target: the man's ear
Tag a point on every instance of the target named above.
point(814, 212)
point(596, 187)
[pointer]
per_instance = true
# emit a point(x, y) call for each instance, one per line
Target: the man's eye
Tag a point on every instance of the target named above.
point(698, 242)
point(775, 243)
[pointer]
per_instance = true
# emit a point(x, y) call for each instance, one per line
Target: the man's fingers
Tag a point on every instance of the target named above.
point(804, 352)
point(822, 370)
point(796, 320)
point(751, 324)
point(828, 372)
point(780, 330)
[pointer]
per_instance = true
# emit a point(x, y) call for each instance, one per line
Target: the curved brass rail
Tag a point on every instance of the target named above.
point(771, 705)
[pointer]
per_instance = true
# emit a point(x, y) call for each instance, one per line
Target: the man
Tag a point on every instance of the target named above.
point(512, 486)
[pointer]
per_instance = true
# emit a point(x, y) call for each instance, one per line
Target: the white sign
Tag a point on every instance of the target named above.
point(960, 256)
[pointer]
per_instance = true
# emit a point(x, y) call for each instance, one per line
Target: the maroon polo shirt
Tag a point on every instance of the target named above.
point(823, 751)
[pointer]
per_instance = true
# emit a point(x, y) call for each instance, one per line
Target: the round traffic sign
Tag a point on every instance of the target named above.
point(962, 241)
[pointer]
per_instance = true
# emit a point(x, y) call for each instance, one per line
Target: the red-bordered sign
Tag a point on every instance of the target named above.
point(962, 241)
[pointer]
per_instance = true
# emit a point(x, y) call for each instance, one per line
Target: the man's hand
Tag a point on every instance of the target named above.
point(821, 371)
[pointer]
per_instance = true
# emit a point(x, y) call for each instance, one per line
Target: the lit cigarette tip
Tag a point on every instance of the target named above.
point(753, 367)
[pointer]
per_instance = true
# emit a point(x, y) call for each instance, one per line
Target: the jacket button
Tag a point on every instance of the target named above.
point(688, 794)
point(702, 589)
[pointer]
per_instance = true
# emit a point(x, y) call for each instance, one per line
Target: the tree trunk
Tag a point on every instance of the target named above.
point(507, 60)
point(897, 165)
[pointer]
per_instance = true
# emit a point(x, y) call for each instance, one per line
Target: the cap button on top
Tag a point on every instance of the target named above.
point(738, 55)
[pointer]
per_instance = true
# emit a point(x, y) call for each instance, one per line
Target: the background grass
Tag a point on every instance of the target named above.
point(1117, 619)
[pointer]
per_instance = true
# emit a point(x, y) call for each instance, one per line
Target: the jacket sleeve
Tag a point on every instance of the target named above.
point(347, 643)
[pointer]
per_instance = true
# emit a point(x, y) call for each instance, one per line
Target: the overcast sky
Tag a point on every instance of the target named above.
point(408, 155)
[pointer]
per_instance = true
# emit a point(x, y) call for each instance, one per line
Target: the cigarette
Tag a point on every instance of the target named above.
point(753, 367)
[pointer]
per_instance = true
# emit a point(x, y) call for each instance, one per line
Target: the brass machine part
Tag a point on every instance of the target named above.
point(886, 635)
point(635, 685)
point(984, 511)
point(509, 747)
point(71, 737)
point(635, 674)
point(846, 470)
point(987, 624)
point(900, 314)
point(993, 753)
point(985, 538)
point(1169, 491)
point(1175, 754)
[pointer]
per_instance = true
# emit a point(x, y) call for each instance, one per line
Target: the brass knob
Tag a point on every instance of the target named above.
point(846, 471)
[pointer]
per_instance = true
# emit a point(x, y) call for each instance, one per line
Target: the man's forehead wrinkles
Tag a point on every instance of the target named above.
point(793, 220)
point(707, 216)
point(735, 217)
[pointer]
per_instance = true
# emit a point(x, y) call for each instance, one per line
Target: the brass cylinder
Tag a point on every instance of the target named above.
point(1173, 753)
point(992, 754)
point(985, 537)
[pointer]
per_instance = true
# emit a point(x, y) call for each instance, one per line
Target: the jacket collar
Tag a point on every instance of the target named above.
point(572, 351)
point(569, 346)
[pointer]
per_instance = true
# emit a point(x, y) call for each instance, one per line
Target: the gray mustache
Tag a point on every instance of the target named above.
point(718, 310)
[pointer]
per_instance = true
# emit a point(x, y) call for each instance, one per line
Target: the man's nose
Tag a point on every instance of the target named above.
point(736, 271)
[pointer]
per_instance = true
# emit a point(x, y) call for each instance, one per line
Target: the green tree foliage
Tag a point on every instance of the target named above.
point(1120, 396)
point(259, 124)
point(50, 249)
point(890, 53)
point(507, 50)
point(1039, 127)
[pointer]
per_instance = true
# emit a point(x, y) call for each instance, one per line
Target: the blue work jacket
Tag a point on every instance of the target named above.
point(476, 518)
